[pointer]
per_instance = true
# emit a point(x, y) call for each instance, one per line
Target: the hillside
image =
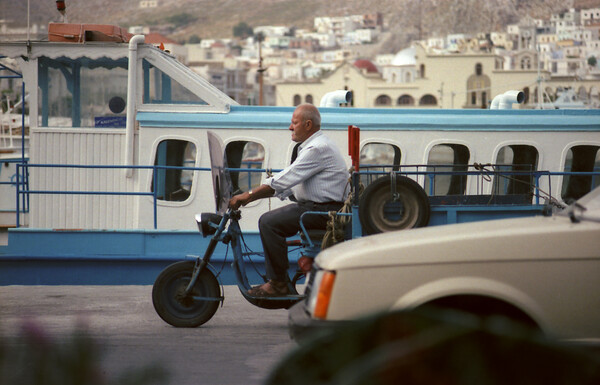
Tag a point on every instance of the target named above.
point(406, 19)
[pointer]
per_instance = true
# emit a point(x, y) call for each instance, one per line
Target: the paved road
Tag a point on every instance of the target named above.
point(238, 346)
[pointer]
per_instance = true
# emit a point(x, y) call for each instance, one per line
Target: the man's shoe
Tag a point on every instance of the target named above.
point(270, 289)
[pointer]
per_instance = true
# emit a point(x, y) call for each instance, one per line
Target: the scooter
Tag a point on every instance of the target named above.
point(187, 293)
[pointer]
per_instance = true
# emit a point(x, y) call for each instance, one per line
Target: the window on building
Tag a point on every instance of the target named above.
point(377, 156)
point(498, 64)
point(174, 184)
point(422, 71)
point(478, 89)
point(447, 158)
point(511, 159)
point(406, 100)
point(478, 69)
point(297, 100)
point(428, 100)
point(308, 98)
point(383, 100)
point(245, 154)
point(583, 158)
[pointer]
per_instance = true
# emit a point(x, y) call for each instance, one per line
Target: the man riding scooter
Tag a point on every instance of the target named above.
point(315, 181)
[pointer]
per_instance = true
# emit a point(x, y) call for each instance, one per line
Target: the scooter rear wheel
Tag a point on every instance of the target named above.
point(184, 311)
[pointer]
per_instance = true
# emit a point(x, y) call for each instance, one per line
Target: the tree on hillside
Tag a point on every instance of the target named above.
point(259, 37)
point(242, 30)
point(194, 39)
point(180, 19)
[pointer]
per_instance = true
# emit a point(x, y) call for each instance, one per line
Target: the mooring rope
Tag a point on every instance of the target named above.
point(336, 224)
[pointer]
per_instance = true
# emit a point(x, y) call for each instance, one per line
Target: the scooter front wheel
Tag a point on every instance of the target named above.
point(178, 309)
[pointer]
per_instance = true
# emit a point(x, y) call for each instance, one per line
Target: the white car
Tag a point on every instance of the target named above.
point(541, 271)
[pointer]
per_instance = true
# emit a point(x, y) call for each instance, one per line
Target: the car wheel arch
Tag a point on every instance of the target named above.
point(475, 295)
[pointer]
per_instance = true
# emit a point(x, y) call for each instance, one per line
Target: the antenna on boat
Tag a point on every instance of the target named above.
point(539, 80)
point(27, 20)
point(259, 38)
point(62, 8)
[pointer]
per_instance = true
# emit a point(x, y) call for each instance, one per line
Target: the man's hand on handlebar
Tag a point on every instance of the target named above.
point(262, 191)
point(239, 200)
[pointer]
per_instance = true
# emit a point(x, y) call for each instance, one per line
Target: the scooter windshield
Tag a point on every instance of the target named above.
point(222, 186)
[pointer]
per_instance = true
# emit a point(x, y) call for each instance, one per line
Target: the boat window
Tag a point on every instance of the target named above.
point(511, 159)
point(160, 88)
point(82, 92)
point(174, 184)
point(444, 158)
point(378, 157)
point(584, 158)
point(245, 154)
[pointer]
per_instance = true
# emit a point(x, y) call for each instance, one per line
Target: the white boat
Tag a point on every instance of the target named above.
point(566, 99)
point(118, 160)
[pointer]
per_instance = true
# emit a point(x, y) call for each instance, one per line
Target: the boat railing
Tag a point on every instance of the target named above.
point(23, 190)
point(421, 173)
point(18, 181)
point(451, 179)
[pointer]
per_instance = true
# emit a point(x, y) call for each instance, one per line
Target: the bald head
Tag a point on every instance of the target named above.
point(306, 120)
point(310, 112)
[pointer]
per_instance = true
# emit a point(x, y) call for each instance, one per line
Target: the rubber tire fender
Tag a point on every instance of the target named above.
point(378, 212)
point(185, 312)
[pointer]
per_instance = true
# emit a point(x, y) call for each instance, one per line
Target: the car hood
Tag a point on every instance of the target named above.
point(486, 241)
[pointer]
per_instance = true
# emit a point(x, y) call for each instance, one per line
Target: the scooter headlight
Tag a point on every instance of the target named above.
point(208, 223)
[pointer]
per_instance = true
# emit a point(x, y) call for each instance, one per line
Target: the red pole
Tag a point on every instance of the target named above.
point(354, 145)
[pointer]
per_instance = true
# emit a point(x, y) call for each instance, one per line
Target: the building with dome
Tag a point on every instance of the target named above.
point(417, 78)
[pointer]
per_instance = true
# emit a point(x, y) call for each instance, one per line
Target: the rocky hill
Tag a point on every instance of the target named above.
point(406, 19)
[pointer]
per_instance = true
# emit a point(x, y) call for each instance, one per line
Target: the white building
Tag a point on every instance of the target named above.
point(590, 16)
point(326, 40)
point(403, 67)
point(269, 30)
point(501, 39)
point(436, 43)
point(148, 3)
point(565, 19)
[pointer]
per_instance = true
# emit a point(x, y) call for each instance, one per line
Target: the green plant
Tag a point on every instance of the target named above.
point(35, 358)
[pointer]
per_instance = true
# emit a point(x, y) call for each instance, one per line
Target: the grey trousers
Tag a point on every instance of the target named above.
point(276, 225)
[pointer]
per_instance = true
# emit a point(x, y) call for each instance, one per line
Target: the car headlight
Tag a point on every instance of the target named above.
point(320, 295)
